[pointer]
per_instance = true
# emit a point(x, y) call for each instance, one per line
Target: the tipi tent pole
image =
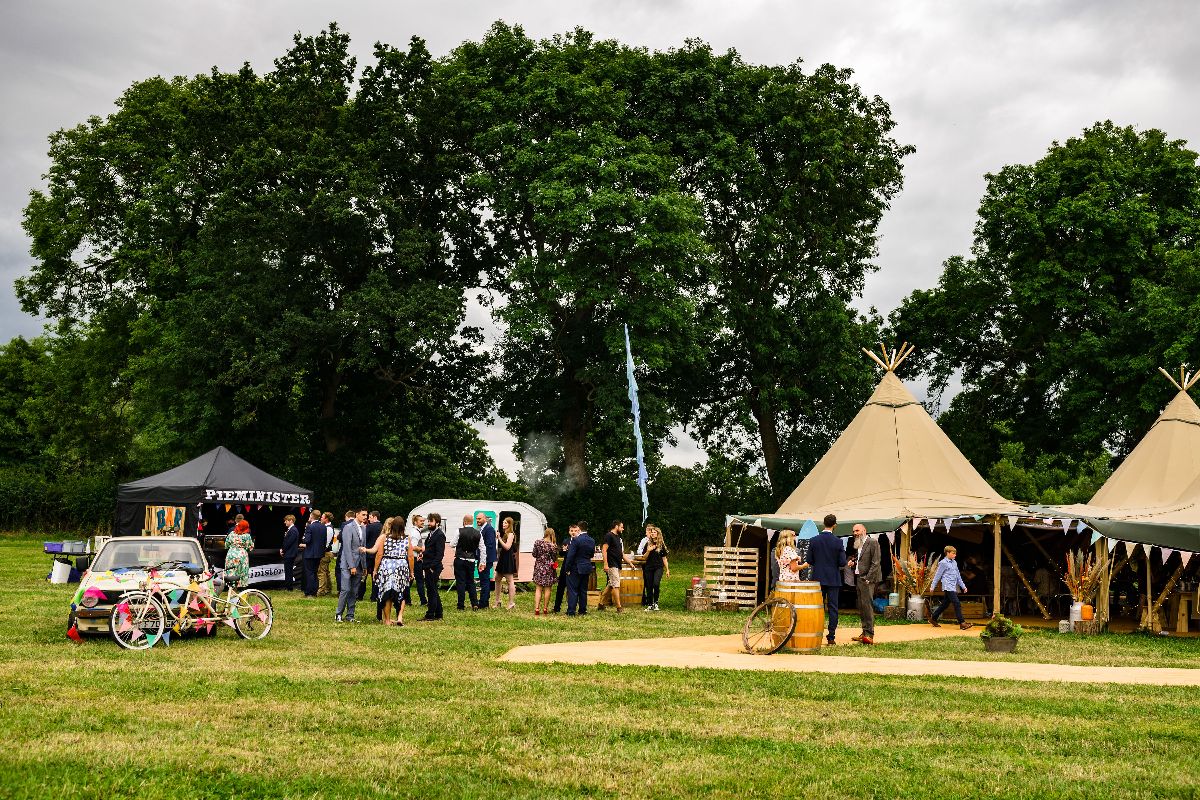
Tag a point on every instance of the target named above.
point(1149, 591)
point(905, 550)
point(996, 565)
point(1102, 601)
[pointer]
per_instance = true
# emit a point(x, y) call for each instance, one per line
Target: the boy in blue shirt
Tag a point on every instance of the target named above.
point(949, 579)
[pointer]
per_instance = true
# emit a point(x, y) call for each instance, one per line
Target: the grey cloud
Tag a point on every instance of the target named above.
point(973, 86)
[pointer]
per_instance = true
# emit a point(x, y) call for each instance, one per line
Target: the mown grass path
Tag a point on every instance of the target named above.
point(325, 711)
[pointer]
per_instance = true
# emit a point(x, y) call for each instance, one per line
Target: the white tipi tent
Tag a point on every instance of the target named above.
point(892, 463)
point(1154, 496)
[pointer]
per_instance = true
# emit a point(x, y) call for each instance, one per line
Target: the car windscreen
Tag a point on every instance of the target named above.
point(118, 555)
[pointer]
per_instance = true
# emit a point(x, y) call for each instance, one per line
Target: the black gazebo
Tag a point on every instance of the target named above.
point(205, 488)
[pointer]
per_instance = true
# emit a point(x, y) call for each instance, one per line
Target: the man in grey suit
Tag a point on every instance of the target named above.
point(350, 565)
point(868, 573)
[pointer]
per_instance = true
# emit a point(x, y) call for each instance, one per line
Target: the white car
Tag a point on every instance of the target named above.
point(121, 564)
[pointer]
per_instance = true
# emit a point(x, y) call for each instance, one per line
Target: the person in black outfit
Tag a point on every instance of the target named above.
point(466, 558)
point(314, 550)
point(652, 570)
point(370, 535)
point(563, 547)
point(431, 566)
point(290, 550)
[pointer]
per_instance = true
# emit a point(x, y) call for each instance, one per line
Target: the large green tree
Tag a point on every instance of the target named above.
point(272, 262)
point(587, 230)
point(793, 169)
point(1083, 277)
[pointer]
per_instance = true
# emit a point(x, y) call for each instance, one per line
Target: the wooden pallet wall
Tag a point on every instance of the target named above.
point(734, 570)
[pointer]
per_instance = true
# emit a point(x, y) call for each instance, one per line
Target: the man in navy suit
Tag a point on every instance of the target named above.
point(579, 562)
point(827, 555)
point(290, 550)
point(314, 550)
point(487, 533)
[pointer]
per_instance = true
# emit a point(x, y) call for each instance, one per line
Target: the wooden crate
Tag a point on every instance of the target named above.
point(972, 609)
point(734, 571)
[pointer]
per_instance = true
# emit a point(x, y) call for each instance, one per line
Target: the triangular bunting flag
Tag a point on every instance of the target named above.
point(125, 625)
point(1165, 554)
point(916, 523)
point(227, 507)
point(233, 614)
point(1081, 526)
point(1095, 537)
point(254, 609)
point(166, 637)
point(193, 587)
point(1112, 544)
point(175, 595)
point(948, 521)
point(1047, 520)
point(122, 608)
point(1012, 522)
point(1066, 523)
point(932, 523)
point(153, 640)
point(229, 622)
point(262, 616)
point(209, 628)
point(1184, 557)
point(137, 634)
point(73, 634)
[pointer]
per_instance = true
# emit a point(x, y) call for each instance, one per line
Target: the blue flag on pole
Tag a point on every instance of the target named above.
point(643, 478)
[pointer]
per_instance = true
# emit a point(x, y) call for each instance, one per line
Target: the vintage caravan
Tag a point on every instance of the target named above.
point(529, 525)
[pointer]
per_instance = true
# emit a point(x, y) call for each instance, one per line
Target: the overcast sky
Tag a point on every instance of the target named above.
point(973, 85)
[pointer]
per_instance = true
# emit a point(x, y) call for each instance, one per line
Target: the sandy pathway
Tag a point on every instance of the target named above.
point(725, 652)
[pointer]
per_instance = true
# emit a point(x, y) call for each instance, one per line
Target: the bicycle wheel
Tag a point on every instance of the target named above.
point(142, 625)
point(255, 614)
point(769, 627)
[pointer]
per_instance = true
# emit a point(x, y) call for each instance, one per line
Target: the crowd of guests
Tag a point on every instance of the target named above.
point(396, 555)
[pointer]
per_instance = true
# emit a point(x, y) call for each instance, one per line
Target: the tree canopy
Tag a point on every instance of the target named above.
point(1082, 279)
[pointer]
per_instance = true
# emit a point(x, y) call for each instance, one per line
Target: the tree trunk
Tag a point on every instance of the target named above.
point(331, 379)
point(768, 434)
point(574, 432)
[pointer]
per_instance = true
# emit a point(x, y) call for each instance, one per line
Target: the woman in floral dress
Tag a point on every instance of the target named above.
point(238, 545)
point(788, 557)
point(393, 569)
point(544, 551)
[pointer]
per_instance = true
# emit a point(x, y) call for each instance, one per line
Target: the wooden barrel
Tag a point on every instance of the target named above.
point(631, 587)
point(810, 614)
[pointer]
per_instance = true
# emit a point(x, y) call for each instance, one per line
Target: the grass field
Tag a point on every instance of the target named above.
point(324, 711)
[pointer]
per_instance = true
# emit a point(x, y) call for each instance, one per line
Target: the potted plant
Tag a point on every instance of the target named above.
point(1000, 635)
point(1083, 577)
point(915, 575)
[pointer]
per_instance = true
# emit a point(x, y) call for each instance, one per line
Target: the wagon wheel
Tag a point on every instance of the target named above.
point(769, 627)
